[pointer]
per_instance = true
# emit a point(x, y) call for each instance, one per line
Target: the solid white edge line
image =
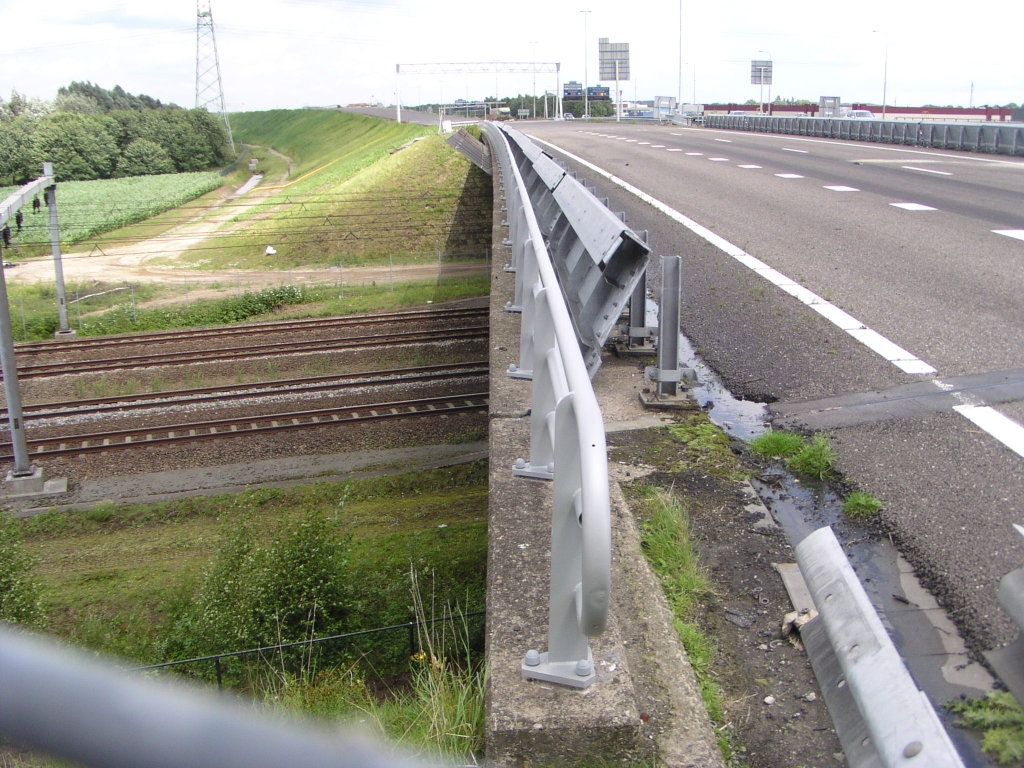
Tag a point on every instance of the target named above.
point(879, 344)
point(1017, 234)
point(1002, 428)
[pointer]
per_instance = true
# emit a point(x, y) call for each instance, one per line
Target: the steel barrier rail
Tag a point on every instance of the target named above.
point(598, 259)
point(70, 705)
point(567, 444)
point(880, 715)
point(1008, 661)
point(991, 138)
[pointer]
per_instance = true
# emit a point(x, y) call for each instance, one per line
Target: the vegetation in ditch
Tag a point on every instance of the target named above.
point(813, 458)
point(776, 444)
point(667, 540)
point(705, 446)
point(861, 505)
point(1000, 719)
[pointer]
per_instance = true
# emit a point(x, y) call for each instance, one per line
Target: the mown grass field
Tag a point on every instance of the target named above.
point(353, 201)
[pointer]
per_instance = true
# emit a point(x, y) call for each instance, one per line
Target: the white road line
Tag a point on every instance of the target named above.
point(657, 146)
point(750, 166)
point(840, 188)
point(801, 151)
point(913, 206)
point(631, 141)
point(643, 142)
point(1017, 233)
point(727, 141)
point(694, 154)
point(789, 175)
point(1002, 428)
point(675, 150)
point(676, 134)
point(895, 354)
point(926, 170)
point(719, 159)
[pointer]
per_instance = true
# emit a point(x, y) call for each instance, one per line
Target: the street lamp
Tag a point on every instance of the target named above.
point(679, 97)
point(586, 97)
point(885, 72)
point(534, 44)
point(769, 83)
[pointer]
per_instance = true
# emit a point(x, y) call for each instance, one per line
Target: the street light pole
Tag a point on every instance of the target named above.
point(534, 44)
point(769, 84)
point(586, 97)
point(679, 96)
point(885, 71)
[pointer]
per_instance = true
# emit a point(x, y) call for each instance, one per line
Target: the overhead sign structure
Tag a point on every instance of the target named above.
point(614, 65)
point(761, 72)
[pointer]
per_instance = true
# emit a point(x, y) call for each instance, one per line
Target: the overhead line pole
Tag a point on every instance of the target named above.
point(586, 97)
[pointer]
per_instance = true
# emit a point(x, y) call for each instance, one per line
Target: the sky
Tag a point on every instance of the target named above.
point(295, 53)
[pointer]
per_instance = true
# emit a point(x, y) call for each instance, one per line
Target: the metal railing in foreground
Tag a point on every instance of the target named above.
point(880, 715)
point(74, 707)
point(567, 445)
point(974, 137)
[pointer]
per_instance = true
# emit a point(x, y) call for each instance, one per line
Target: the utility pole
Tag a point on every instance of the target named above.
point(51, 205)
point(679, 96)
point(209, 88)
point(534, 44)
point(586, 97)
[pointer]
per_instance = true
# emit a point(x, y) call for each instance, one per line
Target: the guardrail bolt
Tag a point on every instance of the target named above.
point(532, 658)
point(520, 464)
point(584, 667)
point(913, 749)
point(512, 368)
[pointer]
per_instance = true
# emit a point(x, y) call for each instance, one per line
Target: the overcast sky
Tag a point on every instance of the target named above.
point(293, 53)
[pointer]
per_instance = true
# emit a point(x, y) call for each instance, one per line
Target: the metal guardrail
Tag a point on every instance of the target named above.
point(567, 445)
point(992, 138)
point(72, 706)
point(880, 715)
point(1008, 661)
point(598, 259)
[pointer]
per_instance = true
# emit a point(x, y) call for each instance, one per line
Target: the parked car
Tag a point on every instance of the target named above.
point(568, 116)
point(860, 114)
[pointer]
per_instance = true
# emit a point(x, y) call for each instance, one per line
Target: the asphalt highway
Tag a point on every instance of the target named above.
point(818, 271)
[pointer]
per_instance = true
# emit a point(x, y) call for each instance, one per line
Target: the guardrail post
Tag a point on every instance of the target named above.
point(668, 373)
point(548, 388)
point(527, 277)
point(1008, 661)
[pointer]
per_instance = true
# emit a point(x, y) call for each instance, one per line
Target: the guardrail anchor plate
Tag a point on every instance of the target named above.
point(561, 672)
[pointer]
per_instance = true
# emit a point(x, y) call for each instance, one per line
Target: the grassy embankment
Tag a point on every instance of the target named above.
point(350, 199)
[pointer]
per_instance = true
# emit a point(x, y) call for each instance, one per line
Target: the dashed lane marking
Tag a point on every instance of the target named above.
point(1002, 428)
point(694, 154)
point(892, 352)
point(657, 146)
point(801, 151)
point(631, 141)
point(840, 188)
point(1017, 233)
point(926, 170)
point(675, 150)
point(640, 144)
point(719, 159)
point(913, 206)
point(789, 175)
point(750, 166)
point(727, 141)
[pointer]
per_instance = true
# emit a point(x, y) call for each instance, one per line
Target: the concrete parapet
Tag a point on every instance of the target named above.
point(645, 705)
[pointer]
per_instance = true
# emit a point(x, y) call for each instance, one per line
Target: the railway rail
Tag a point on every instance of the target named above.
point(259, 350)
point(423, 374)
point(251, 425)
point(250, 329)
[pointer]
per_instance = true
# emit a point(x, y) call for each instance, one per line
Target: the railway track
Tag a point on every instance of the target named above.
point(250, 425)
point(252, 329)
point(259, 350)
point(424, 374)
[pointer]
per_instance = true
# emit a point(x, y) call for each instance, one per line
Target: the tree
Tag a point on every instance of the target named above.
point(77, 146)
point(144, 158)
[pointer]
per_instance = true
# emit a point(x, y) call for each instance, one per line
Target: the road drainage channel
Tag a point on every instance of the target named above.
point(922, 632)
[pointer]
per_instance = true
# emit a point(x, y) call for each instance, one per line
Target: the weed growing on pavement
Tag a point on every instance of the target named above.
point(705, 447)
point(816, 459)
point(667, 541)
point(776, 444)
point(1001, 719)
point(861, 505)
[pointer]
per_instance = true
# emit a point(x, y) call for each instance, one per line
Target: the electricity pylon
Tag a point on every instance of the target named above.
point(209, 89)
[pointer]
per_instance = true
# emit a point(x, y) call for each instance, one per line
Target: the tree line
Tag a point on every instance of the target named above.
point(89, 132)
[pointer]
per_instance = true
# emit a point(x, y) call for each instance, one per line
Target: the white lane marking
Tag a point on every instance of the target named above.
point(674, 150)
point(727, 141)
point(1017, 233)
point(840, 188)
point(676, 134)
point(897, 355)
point(691, 153)
point(913, 206)
point(750, 166)
point(631, 141)
point(926, 170)
point(719, 159)
point(657, 146)
point(789, 175)
point(1002, 428)
point(621, 138)
point(801, 151)
point(643, 142)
